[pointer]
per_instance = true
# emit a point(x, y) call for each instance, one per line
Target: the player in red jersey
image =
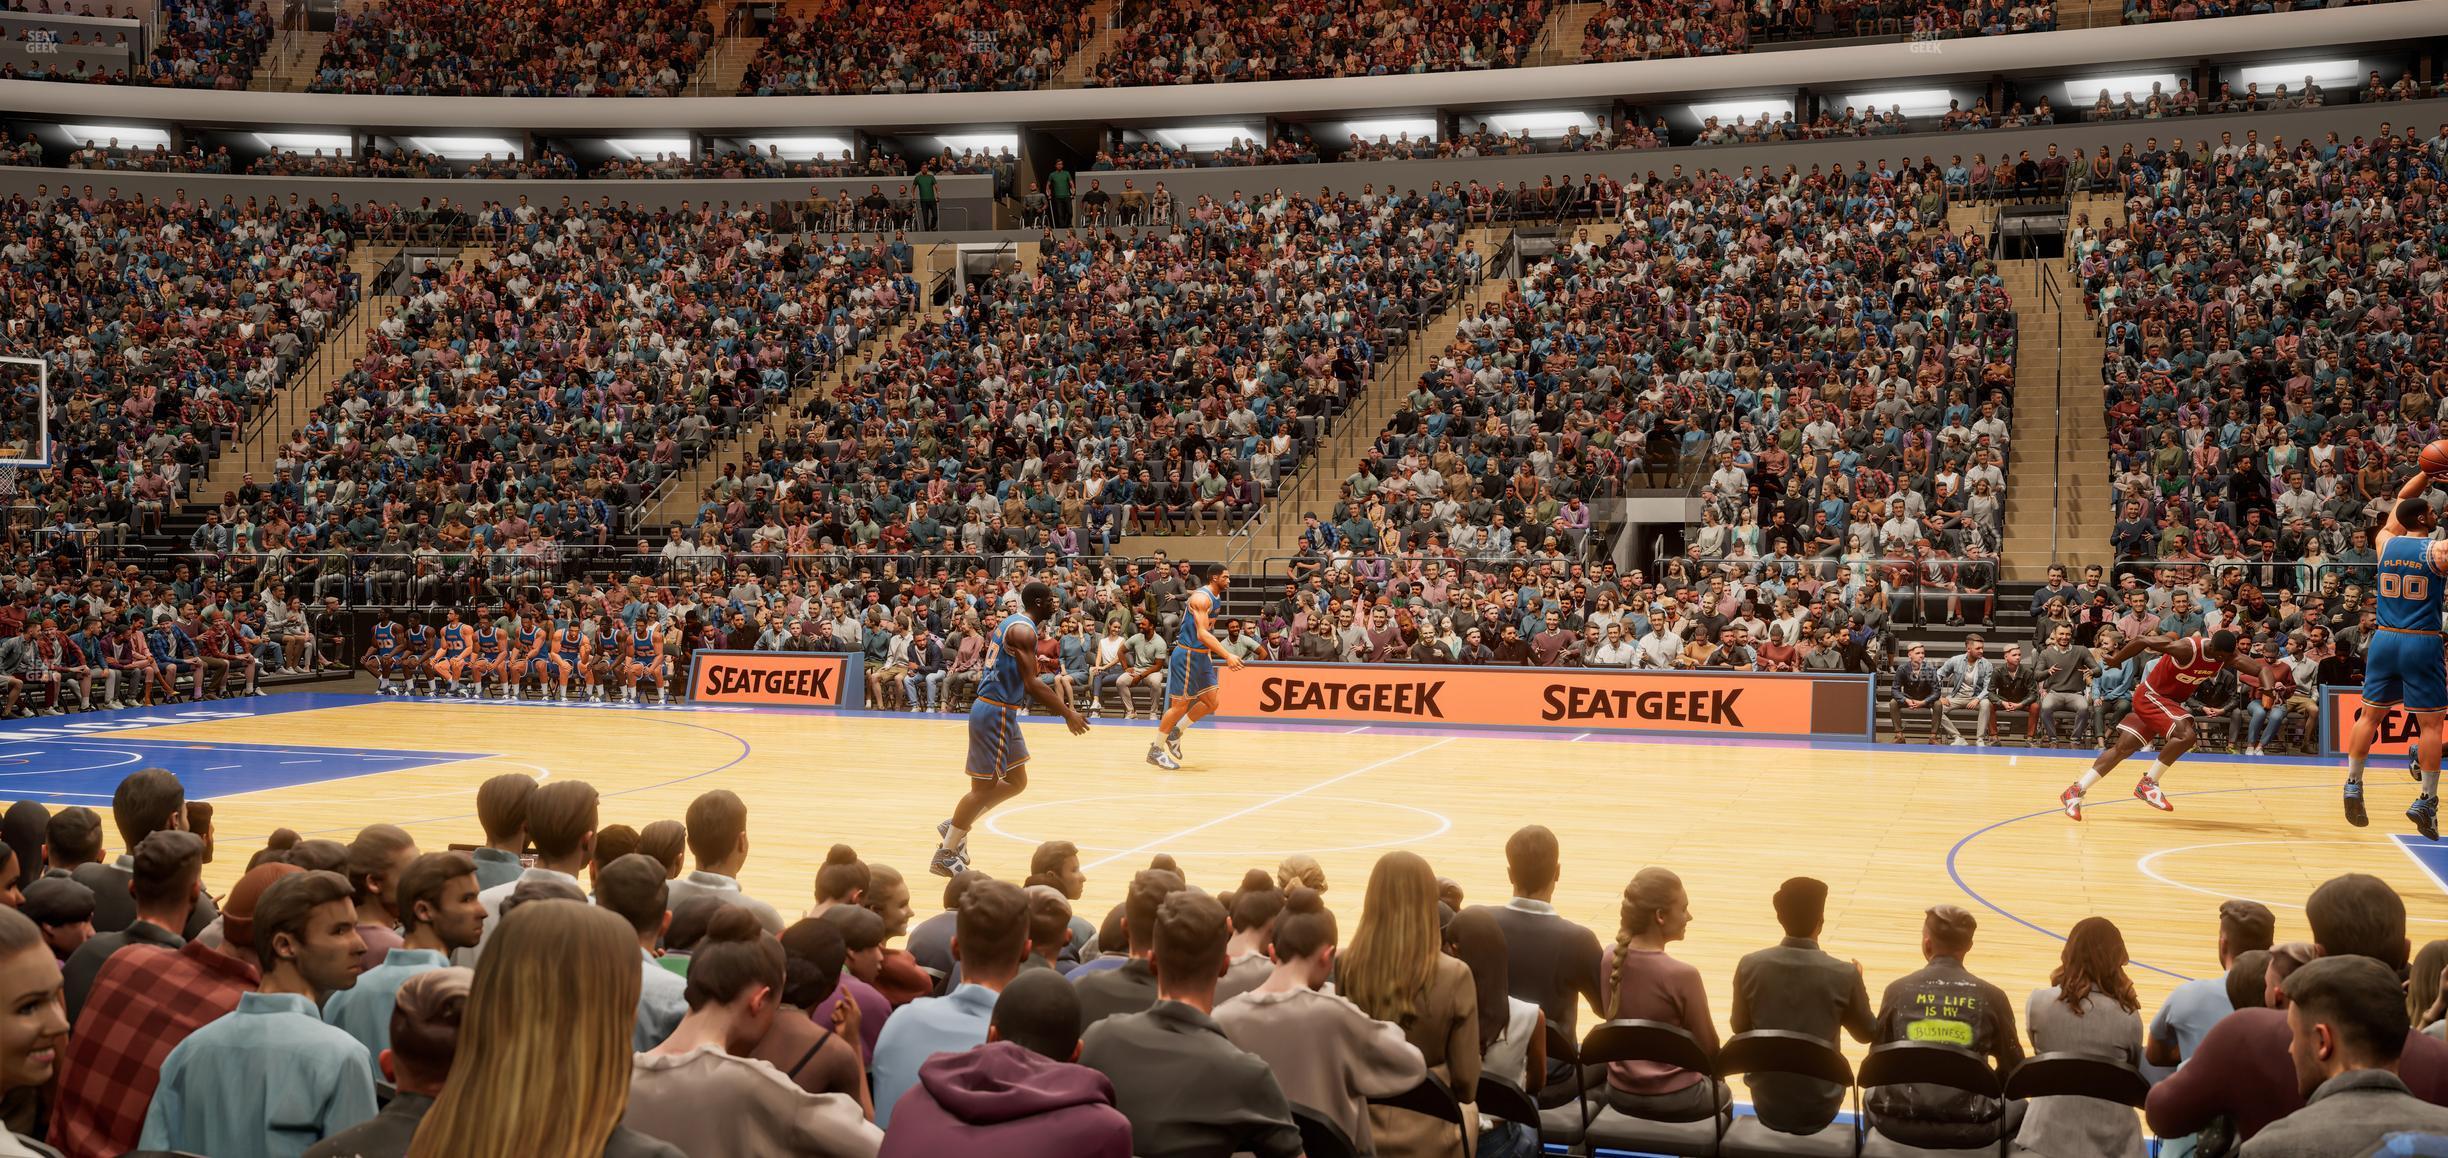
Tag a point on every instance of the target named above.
point(2184, 665)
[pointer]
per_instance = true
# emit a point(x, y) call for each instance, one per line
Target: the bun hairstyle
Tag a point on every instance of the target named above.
point(1305, 926)
point(1303, 870)
point(842, 876)
point(1255, 903)
point(735, 955)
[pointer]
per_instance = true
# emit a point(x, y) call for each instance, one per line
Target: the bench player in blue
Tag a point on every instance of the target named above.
point(998, 757)
point(2406, 667)
point(1190, 675)
point(386, 659)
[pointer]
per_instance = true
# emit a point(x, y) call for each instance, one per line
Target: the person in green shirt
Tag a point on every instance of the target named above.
point(1058, 189)
point(925, 181)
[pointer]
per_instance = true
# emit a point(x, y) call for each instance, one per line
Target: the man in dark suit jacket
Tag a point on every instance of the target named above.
point(1799, 987)
point(1131, 988)
point(1550, 962)
point(148, 801)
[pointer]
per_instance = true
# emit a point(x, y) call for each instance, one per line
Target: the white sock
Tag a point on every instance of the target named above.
point(2430, 782)
point(2090, 777)
point(2158, 770)
point(953, 837)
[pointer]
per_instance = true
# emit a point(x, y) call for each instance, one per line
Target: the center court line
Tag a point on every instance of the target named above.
point(1263, 805)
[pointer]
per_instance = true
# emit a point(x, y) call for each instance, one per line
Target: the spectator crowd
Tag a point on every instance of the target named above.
point(577, 986)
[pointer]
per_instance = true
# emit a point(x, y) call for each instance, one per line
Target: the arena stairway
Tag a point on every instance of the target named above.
point(676, 503)
point(1314, 483)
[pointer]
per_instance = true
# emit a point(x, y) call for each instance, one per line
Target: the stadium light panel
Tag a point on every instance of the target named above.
point(1392, 128)
point(130, 136)
point(648, 148)
point(1912, 102)
point(1537, 122)
point(2085, 91)
point(1207, 136)
point(307, 142)
point(804, 148)
point(982, 142)
point(2291, 74)
point(1753, 109)
point(465, 148)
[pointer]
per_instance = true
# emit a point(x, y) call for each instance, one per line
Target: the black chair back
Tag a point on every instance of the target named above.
point(1560, 1045)
point(1633, 1039)
point(1782, 1051)
point(1320, 1137)
point(2075, 1074)
point(1930, 1063)
point(1430, 1097)
point(1500, 1099)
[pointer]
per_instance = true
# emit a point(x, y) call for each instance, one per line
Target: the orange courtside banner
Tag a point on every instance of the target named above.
point(1569, 699)
point(2344, 704)
point(797, 679)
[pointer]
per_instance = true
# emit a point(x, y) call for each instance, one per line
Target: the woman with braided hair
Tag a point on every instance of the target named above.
point(1643, 982)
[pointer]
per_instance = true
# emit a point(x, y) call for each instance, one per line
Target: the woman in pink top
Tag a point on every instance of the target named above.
point(1643, 982)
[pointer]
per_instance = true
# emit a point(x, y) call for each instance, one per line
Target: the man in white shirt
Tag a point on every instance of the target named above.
point(1662, 645)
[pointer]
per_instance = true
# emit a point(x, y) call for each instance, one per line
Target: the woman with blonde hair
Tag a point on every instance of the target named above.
point(1643, 982)
point(2089, 1006)
point(548, 1024)
point(1300, 870)
point(1396, 970)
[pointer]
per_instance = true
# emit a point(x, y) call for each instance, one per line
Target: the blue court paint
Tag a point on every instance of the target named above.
point(2431, 855)
point(81, 759)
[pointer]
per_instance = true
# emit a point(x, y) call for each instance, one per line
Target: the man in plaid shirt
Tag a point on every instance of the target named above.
point(143, 1004)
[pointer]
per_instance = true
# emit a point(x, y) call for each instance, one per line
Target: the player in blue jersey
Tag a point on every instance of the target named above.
point(1190, 676)
point(998, 757)
point(644, 661)
point(492, 654)
point(527, 656)
point(416, 647)
point(455, 651)
point(2405, 666)
point(385, 660)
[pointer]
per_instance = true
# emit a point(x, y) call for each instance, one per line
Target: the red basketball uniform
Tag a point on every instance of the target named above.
point(2159, 703)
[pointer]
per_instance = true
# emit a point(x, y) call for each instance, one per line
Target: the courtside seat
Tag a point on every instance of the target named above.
point(1648, 1041)
point(1609, 1130)
point(1777, 1051)
point(1748, 1137)
point(1926, 1063)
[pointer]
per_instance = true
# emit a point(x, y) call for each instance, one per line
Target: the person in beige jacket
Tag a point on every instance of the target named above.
point(699, 1090)
point(1327, 1055)
point(1396, 970)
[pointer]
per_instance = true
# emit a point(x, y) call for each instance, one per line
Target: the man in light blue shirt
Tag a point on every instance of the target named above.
point(270, 1079)
point(633, 886)
point(439, 914)
point(991, 940)
point(2193, 1007)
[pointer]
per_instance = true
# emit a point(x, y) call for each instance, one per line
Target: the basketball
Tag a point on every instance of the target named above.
point(2434, 459)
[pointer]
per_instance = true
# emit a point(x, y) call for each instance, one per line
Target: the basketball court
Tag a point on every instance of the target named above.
point(1891, 829)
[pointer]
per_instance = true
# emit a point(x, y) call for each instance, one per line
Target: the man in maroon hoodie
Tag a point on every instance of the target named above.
point(2242, 1069)
point(1017, 1096)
